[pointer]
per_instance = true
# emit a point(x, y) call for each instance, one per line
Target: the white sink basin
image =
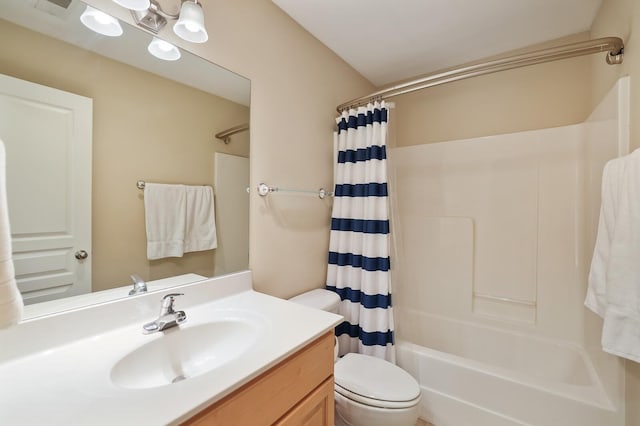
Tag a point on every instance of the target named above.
point(113, 374)
point(184, 352)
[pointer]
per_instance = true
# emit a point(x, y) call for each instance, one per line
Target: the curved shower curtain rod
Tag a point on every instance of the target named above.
point(225, 135)
point(613, 45)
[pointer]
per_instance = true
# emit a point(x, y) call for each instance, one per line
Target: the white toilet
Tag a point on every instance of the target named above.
point(368, 391)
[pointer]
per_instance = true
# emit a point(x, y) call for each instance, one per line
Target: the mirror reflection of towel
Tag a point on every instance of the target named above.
point(179, 219)
point(200, 232)
point(11, 305)
point(165, 217)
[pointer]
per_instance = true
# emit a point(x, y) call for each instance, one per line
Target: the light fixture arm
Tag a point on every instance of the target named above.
point(155, 18)
point(155, 7)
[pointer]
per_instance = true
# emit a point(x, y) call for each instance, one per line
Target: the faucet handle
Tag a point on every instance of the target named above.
point(172, 296)
point(167, 303)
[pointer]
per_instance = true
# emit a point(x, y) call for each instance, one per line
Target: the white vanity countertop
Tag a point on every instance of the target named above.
point(81, 300)
point(71, 383)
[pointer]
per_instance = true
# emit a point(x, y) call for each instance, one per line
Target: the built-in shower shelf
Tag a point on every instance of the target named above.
point(504, 308)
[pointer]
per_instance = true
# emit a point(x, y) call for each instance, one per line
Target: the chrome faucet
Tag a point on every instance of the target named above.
point(168, 316)
point(139, 286)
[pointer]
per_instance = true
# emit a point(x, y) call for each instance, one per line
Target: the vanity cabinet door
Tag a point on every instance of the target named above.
point(315, 410)
point(293, 392)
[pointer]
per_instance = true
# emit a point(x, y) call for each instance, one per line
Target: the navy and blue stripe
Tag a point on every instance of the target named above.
point(381, 338)
point(369, 301)
point(373, 152)
point(370, 264)
point(377, 115)
point(361, 190)
point(360, 225)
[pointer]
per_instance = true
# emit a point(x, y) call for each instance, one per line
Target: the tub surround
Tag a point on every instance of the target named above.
point(71, 355)
point(495, 235)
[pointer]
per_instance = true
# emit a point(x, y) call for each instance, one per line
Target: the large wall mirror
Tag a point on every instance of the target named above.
point(84, 118)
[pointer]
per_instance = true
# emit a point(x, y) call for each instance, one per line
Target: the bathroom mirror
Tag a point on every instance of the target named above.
point(148, 120)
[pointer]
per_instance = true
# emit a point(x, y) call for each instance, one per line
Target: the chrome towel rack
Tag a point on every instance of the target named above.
point(264, 190)
point(142, 184)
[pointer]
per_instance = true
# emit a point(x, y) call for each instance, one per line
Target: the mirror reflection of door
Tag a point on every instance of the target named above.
point(47, 135)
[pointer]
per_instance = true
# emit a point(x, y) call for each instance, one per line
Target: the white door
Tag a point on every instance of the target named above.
point(47, 134)
point(232, 213)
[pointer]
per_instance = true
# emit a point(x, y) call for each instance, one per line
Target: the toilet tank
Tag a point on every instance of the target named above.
point(319, 298)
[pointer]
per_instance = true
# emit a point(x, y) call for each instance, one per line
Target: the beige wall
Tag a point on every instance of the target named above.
point(622, 18)
point(296, 83)
point(543, 96)
point(137, 134)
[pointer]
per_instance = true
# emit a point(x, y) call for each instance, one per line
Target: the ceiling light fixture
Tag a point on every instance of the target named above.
point(163, 50)
point(100, 22)
point(190, 18)
point(190, 25)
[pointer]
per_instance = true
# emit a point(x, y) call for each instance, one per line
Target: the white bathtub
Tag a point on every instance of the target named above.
point(474, 375)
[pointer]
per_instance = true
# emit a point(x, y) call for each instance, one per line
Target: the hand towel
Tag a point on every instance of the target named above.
point(200, 233)
point(612, 176)
point(621, 329)
point(165, 217)
point(11, 305)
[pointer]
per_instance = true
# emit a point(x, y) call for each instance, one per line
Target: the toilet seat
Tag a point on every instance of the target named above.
point(375, 382)
point(377, 403)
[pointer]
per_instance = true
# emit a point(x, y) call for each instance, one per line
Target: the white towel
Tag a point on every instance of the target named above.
point(11, 306)
point(621, 330)
point(165, 217)
point(200, 233)
point(621, 268)
point(612, 176)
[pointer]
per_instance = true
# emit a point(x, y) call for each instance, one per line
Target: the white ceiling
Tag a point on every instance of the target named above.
point(387, 41)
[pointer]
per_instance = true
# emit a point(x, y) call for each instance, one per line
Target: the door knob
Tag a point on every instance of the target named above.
point(81, 254)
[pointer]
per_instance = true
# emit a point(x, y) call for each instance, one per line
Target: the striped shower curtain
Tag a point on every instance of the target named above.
point(359, 242)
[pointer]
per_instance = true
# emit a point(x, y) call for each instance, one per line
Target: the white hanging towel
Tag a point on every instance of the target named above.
point(200, 231)
point(165, 217)
point(612, 176)
point(621, 269)
point(11, 305)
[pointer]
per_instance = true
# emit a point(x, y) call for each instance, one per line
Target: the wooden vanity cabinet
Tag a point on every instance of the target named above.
point(297, 391)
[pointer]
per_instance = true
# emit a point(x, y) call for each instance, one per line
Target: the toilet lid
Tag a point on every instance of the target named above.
point(375, 378)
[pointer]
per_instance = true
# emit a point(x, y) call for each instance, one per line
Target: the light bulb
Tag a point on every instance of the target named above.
point(164, 46)
point(102, 18)
point(191, 27)
point(163, 50)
